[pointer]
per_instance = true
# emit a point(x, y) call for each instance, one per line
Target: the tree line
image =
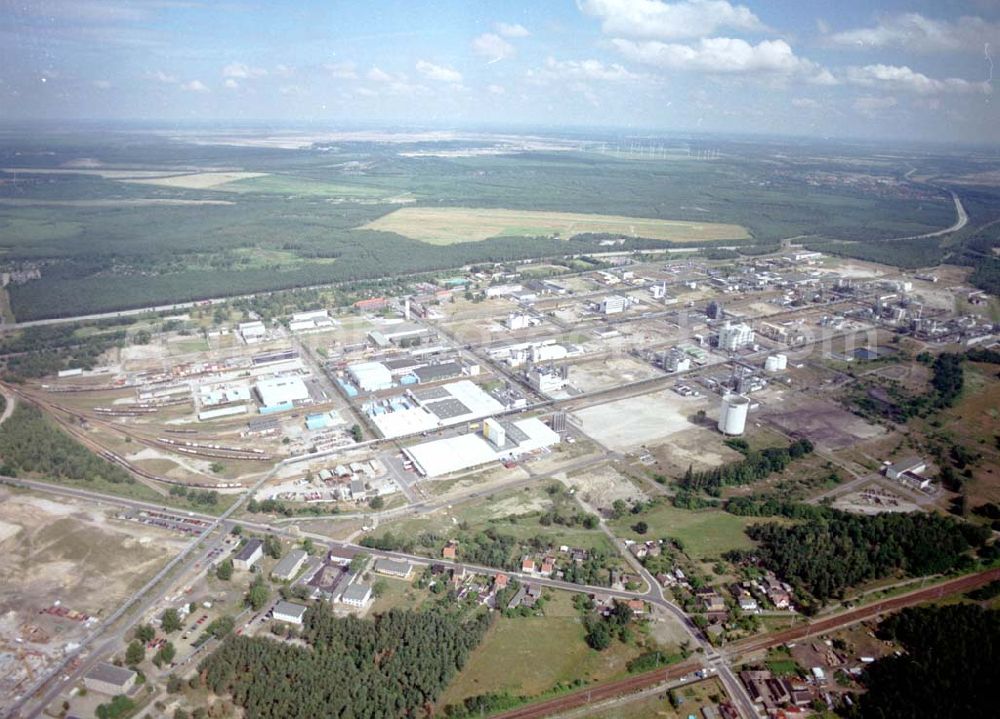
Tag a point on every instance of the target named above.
point(756, 465)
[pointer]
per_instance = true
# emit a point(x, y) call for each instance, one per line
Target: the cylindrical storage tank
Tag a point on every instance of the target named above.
point(782, 362)
point(771, 363)
point(733, 415)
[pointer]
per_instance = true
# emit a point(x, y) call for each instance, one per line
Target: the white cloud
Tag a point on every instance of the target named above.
point(284, 70)
point(805, 103)
point(591, 70)
point(492, 47)
point(722, 55)
point(377, 74)
point(342, 70)
point(511, 30)
point(239, 71)
point(291, 91)
point(915, 32)
point(194, 86)
point(656, 19)
point(163, 77)
point(902, 78)
point(871, 105)
point(231, 84)
point(393, 84)
point(439, 73)
point(497, 89)
point(102, 84)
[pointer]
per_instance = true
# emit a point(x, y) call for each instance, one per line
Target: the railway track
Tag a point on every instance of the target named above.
point(585, 697)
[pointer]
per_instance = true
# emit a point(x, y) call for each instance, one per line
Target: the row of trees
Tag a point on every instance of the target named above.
point(756, 465)
point(392, 666)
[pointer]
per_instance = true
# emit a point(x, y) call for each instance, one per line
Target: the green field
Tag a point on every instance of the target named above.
point(450, 225)
point(705, 533)
point(530, 655)
point(305, 187)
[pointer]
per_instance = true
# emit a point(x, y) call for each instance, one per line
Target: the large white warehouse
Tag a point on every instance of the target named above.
point(281, 391)
point(371, 376)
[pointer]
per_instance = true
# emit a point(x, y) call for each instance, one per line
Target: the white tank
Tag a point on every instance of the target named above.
point(782, 362)
point(771, 363)
point(733, 415)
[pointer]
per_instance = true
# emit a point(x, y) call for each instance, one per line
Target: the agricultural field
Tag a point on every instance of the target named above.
point(448, 225)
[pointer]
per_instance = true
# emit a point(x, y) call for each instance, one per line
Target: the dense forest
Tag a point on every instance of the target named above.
point(394, 665)
point(756, 465)
point(31, 443)
point(948, 669)
point(827, 556)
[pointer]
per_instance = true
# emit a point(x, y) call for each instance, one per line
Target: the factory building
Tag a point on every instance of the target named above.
point(370, 376)
point(517, 321)
point(280, 393)
point(734, 336)
point(613, 304)
point(546, 379)
point(676, 360)
point(454, 454)
point(252, 332)
point(108, 679)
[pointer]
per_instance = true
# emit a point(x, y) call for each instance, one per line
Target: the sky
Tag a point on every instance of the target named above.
point(907, 70)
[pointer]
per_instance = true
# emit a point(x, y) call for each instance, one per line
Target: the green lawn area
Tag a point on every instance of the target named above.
point(529, 655)
point(705, 533)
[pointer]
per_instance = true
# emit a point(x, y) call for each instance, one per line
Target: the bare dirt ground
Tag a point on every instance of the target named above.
point(822, 422)
point(601, 486)
point(699, 447)
point(70, 557)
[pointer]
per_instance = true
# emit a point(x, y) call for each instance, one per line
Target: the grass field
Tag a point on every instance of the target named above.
point(287, 184)
point(450, 225)
point(705, 533)
point(529, 655)
point(198, 180)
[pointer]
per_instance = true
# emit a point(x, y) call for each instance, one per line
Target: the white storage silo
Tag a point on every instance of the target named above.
point(782, 362)
point(733, 415)
point(771, 363)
